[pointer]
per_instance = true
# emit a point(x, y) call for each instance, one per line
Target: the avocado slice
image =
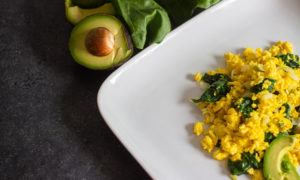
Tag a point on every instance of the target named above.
point(276, 165)
point(75, 13)
point(100, 42)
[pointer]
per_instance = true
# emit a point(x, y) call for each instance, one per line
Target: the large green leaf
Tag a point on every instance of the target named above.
point(148, 21)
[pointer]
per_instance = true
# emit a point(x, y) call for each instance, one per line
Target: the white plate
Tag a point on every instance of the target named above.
point(146, 101)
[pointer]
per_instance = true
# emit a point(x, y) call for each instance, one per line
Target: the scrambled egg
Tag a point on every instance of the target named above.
point(229, 132)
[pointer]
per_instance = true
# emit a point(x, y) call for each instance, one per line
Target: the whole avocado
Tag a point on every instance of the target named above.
point(88, 4)
point(75, 14)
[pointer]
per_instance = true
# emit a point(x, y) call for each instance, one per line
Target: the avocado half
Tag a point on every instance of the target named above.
point(104, 34)
point(76, 13)
point(276, 165)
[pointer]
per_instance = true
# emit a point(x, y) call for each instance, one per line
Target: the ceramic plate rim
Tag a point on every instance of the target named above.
point(136, 59)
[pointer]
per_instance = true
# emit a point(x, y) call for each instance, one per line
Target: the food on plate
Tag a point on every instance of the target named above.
point(99, 42)
point(75, 12)
point(250, 104)
point(275, 164)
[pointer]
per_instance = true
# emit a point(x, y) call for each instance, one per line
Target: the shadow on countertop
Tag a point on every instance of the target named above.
point(68, 139)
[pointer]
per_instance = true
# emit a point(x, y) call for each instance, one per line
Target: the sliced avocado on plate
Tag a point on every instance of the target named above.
point(76, 13)
point(276, 165)
point(100, 42)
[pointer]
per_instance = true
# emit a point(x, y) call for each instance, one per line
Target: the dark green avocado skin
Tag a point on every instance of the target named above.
point(88, 4)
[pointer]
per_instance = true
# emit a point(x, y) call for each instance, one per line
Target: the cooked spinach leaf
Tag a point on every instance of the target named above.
point(245, 107)
point(240, 167)
point(218, 143)
point(213, 78)
point(292, 130)
point(218, 88)
point(276, 93)
point(216, 91)
point(148, 21)
point(259, 87)
point(287, 110)
point(269, 137)
point(290, 60)
point(297, 109)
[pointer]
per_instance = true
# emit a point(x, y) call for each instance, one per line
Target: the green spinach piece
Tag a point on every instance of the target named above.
point(240, 167)
point(289, 60)
point(218, 143)
point(292, 130)
point(213, 78)
point(276, 93)
point(218, 88)
point(269, 137)
point(216, 91)
point(259, 87)
point(297, 109)
point(182, 10)
point(246, 106)
point(287, 110)
point(147, 20)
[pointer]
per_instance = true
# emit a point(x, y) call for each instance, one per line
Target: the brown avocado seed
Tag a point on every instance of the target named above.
point(100, 41)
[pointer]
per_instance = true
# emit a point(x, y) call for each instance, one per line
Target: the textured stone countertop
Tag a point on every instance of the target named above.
point(50, 127)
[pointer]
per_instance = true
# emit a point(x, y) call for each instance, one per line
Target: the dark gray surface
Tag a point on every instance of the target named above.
point(50, 127)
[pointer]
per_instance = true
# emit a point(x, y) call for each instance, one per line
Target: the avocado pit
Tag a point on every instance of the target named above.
point(100, 41)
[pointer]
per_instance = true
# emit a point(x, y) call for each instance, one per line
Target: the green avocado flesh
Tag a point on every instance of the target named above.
point(290, 172)
point(122, 49)
point(276, 165)
point(75, 14)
